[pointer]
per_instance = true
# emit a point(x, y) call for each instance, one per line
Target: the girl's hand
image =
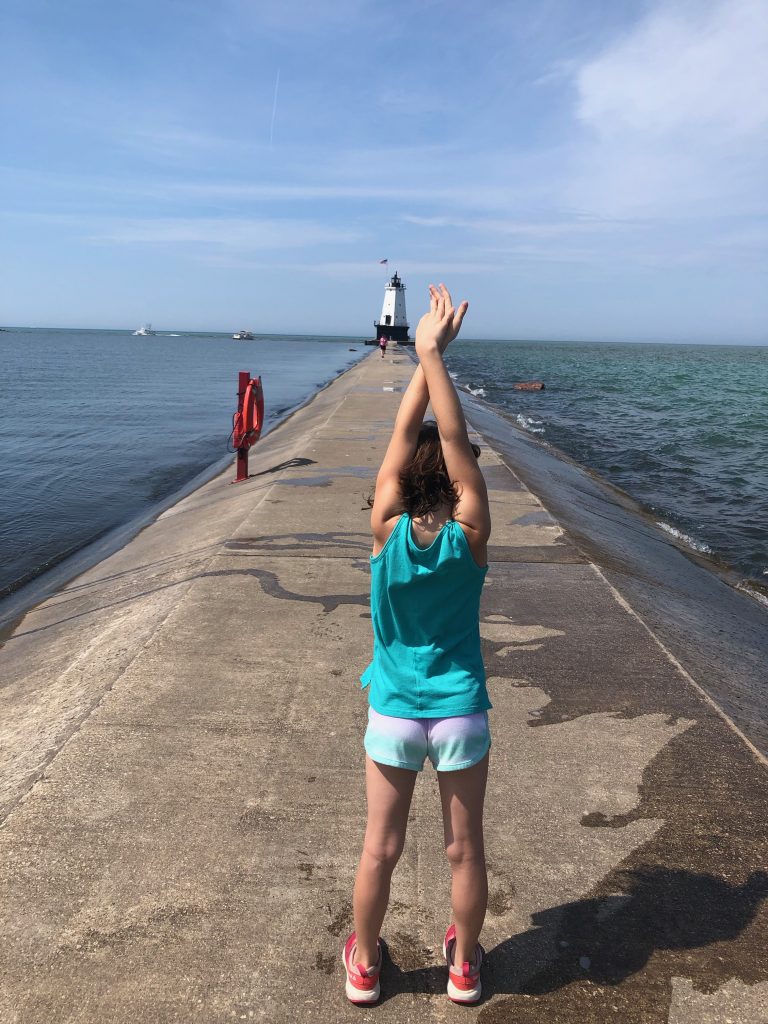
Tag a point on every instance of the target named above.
point(439, 327)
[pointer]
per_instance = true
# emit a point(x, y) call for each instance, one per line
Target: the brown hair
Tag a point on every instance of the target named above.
point(424, 483)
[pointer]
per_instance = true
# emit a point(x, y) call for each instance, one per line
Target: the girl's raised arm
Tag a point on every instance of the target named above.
point(436, 330)
point(387, 498)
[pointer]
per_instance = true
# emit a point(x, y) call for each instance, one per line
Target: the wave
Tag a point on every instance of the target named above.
point(476, 392)
point(689, 541)
point(756, 594)
point(530, 424)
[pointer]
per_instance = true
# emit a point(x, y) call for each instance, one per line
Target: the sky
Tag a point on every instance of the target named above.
point(576, 169)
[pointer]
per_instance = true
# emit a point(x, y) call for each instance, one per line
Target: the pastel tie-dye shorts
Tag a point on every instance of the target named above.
point(450, 743)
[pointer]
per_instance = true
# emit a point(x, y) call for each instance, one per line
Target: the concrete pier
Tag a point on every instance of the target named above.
point(182, 786)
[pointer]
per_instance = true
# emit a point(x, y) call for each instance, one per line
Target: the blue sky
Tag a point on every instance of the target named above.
point(575, 168)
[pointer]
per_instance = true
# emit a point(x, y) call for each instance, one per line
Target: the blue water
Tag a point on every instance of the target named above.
point(97, 426)
point(682, 428)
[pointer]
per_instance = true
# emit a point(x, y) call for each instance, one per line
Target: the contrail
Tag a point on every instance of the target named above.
point(274, 109)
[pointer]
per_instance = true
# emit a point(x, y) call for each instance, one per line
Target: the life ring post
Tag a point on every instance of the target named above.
point(247, 421)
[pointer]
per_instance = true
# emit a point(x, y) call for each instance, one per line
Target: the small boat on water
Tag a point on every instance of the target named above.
point(144, 332)
point(242, 336)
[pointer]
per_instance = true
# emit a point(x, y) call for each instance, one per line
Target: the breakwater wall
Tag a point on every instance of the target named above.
point(183, 790)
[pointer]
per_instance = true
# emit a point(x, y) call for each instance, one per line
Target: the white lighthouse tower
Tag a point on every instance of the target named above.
point(393, 324)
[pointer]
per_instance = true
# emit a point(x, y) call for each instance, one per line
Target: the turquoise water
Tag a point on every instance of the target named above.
point(98, 426)
point(682, 428)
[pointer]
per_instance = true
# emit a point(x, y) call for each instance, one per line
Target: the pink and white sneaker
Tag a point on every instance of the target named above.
point(362, 985)
point(464, 984)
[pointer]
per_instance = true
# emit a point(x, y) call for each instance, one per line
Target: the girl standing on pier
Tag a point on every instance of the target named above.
point(431, 524)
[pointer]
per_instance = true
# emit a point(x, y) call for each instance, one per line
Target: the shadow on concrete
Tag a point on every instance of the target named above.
point(269, 580)
point(597, 944)
point(610, 938)
point(288, 464)
point(271, 585)
point(75, 592)
point(300, 544)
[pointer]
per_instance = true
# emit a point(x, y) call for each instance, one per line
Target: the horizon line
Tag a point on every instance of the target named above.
point(360, 338)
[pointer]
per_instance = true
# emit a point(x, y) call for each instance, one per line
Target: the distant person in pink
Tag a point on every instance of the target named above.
point(383, 345)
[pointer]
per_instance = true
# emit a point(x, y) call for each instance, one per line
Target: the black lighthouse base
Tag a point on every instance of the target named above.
point(392, 333)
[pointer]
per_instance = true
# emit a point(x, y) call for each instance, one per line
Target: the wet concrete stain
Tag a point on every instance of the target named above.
point(398, 907)
point(368, 470)
point(299, 543)
point(324, 962)
point(307, 869)
point(501, 889)
point(499, 477)
point(689, 903)
point(307, 481)
point(564, 665)
point(249, 820)
point(426, 976)
point(537, 518)
point(325, 477)
point(618, 952)
point(341, 918)
point(94, 940)
point(408, 952)
point(561, 551)
point(500, 900)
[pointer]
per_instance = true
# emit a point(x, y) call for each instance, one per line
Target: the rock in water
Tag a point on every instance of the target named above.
point(529, 385)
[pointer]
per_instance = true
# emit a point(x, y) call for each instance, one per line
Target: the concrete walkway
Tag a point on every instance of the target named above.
point(182, 781)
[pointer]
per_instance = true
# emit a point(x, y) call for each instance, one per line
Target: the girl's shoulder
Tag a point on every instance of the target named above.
point(383, 541)
point(475, 546)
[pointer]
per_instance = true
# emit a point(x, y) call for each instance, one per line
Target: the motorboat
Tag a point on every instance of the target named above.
point(242, 336)
point(144, 332)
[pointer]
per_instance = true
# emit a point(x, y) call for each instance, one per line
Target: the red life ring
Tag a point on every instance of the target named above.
point(250, 418)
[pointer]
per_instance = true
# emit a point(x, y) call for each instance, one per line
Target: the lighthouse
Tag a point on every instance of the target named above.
point(393, 324)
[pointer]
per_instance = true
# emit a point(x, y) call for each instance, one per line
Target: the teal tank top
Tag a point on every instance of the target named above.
point(425, 610)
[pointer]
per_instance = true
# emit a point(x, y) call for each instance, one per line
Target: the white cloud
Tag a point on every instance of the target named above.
point(687, 69)
point(676, 114)
point(229, 232)
point(178, 189)
point(504, 226)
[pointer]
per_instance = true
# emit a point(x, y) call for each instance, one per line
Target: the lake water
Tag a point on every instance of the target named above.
point(97, 426)
point(682, 428)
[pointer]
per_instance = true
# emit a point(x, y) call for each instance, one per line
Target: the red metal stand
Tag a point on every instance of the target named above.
point(242, 452)
point(242, 466)
point(247, 421)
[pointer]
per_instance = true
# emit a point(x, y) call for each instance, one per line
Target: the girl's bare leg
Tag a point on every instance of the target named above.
point(389, 792)
point(462, 794)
